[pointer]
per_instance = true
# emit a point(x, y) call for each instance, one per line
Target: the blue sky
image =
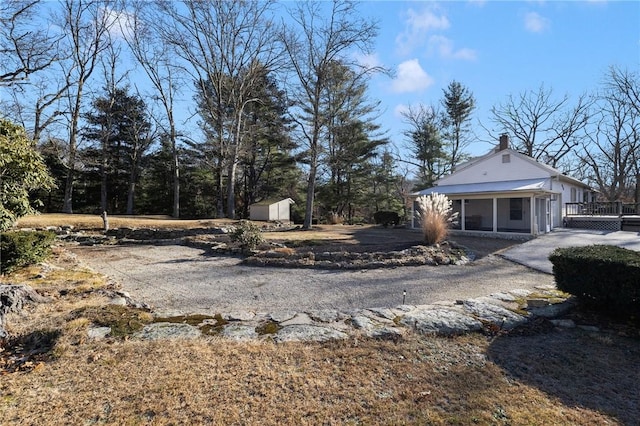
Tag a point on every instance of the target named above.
point(496, 48)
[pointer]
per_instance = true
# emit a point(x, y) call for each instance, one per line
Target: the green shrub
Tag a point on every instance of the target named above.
point(603, 277)
point(22, 248)
point(247, 235)
point(386, 218)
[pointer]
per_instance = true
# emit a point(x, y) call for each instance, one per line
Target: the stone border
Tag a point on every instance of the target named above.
point(277, 255)
point(490, 314)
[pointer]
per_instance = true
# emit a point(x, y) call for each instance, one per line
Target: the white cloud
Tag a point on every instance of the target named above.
point(536, 23)
point(417, 26)
point(444, 47)
point(120, 24)
point(410, 77)
point(400, 110)
point(368, 61)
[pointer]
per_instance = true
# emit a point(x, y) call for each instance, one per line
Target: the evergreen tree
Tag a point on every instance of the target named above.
point(268, 166)
point(120, 126)
point(459, 104)
point(353, 140)
point(425, 142)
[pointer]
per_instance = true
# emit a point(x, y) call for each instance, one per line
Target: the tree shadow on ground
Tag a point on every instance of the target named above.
point(25, 352)
point(594, 370)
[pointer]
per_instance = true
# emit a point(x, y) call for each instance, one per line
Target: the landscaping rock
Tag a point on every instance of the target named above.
point(324, 315)
point(300, 318)
point(554, 310)
point(377, 330)
point(119, 301)
point(167, 330)
point(498, 315)
point(239, 316)
point(439, 321)
point(97, 333)
point(239, 332)
point(13, 298)
point(282, 316)
point(504, 297)
point(384, 313)
point(305, 332)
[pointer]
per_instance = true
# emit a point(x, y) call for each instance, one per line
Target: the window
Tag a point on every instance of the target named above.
point(515, 209)
point(574, 196)
point(506, 158)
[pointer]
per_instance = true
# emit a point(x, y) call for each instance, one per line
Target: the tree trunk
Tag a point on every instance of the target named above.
point(231, 189)
point(130, 197)
point(67, 205)
point(311, 190)
point(220, 187)
point(176, 179)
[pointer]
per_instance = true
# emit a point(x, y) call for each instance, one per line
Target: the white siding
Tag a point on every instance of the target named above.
point(492, 169)
point(279, 210)
point(259, 212)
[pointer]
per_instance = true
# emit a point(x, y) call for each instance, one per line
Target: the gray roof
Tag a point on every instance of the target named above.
point(523, 185)
point(271, 202)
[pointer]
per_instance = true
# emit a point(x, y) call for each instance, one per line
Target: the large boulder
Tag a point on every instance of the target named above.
point(13, 298)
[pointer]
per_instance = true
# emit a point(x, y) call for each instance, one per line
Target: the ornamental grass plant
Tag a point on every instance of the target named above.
point(436, 217)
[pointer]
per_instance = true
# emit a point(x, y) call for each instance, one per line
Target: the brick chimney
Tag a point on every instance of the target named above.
point(504, 142)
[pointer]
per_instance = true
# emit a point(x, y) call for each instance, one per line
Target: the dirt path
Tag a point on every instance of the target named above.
point(179, 279)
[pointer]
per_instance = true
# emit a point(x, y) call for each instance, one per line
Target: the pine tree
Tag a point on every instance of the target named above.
point(120, 126)
point(459, 104)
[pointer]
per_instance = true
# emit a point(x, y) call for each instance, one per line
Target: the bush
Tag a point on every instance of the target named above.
point(386, 218)
point(22, 248)
point(334, 218)
point(247, 235)
point(436, 214)
point(606, 278)
point(22, 169)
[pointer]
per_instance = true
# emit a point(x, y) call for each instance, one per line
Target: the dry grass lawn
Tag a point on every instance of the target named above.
point(94, 222)
point(570, 377)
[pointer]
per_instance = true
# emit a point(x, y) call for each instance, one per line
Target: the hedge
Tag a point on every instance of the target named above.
point(603, 277)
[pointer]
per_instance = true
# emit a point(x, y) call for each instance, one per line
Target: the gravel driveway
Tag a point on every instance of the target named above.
point(181, 280)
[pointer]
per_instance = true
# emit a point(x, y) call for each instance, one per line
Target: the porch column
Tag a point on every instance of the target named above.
point(495, 214)
point(533, 216)
point(463, 214)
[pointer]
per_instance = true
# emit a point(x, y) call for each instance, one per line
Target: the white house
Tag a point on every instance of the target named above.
point(271, 210)
point(508, 192)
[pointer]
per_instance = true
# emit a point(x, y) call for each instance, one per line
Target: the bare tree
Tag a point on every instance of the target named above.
point(28, 55)
point(109, 62)
point(610, 152)
point(542, 127)
point(626, 85)
point(26, 46)
point(227, 46)
point(314, 41)
point(85, 24)
point(154, 55)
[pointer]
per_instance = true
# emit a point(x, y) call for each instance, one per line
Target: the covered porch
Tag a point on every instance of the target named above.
point(518, 207)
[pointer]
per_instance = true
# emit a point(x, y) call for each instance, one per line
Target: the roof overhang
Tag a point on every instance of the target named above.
point(514, 186)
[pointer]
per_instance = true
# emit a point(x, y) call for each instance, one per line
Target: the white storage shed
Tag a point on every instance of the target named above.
point(271, 210)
